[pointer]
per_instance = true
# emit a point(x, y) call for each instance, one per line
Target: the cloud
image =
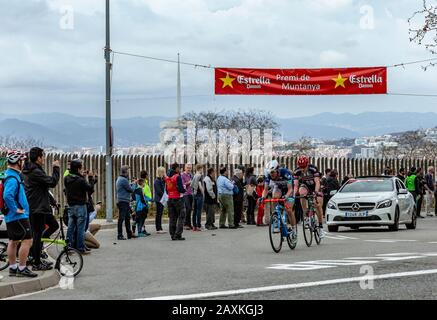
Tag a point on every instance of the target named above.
point(47, 68)
point(332, 58)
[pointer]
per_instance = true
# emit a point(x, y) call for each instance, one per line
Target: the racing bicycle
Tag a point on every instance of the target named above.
point(278, 226)
point(310, 224)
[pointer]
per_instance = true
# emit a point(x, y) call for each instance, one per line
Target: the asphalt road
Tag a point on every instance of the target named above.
point(240, 264)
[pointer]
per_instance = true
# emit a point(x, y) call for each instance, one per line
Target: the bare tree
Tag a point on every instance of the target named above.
point(429, 150)
point(423, 28)
point(389, 152)
point(301, 147)
point(20, 143)
point(411, 143)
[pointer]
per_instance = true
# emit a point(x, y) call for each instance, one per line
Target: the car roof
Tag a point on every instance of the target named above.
point(375, 177)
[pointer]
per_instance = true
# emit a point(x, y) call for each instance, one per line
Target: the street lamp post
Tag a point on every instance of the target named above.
point(108, 157)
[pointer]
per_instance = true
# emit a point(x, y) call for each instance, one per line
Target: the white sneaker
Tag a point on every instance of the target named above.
point(294, 237)
point(322, 233)
point(430, 214)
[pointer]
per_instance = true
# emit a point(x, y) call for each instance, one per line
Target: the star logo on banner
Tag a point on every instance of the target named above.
point(339, 81)
point(227, 82)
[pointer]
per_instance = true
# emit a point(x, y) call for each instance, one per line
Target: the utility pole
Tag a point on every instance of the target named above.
point(179, 98)
point(109, 138)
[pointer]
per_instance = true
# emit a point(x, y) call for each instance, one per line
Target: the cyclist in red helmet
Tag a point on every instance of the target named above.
point(309, 182)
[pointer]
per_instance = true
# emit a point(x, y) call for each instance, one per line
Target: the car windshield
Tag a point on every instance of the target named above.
point(371, 185)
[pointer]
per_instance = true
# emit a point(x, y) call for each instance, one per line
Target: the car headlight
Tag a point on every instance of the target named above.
point(332, 205)
point(385, 204)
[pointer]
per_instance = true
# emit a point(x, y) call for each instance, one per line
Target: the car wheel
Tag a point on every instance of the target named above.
point(395, 225)
point(333, 228)
point(412, 225)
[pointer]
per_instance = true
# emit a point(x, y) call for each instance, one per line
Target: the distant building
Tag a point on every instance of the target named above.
point(361, 142)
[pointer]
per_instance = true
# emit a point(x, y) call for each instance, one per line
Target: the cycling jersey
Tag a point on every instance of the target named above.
point(307, 178)
point(281, 183)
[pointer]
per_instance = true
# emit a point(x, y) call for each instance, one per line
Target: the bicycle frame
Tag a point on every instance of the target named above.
point(280, 212)
point(61, 234)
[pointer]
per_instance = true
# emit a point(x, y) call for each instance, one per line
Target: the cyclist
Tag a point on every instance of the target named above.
point(308, 177)
point(280, 181)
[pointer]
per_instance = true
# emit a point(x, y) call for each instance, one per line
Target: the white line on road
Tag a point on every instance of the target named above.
point(339, 237)
point(396, 254)
point(292, 286)
point(389, 240)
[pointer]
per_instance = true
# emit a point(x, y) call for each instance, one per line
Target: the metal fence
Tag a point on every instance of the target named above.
point(96, 163)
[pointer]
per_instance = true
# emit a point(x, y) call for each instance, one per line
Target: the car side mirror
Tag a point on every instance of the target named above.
point(333, 192)
point(403, 191)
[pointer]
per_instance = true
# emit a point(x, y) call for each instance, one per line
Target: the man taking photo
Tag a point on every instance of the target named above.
point(37, 185)
point(77, 189)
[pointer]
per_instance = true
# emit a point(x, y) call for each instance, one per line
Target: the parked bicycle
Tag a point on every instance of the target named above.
point(69, 261)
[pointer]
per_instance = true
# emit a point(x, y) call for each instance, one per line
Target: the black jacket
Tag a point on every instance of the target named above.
point(77, 189)
point(37, 184)
point(159, 188)
point(208, 198)
point(331, 184)
point(239, 183)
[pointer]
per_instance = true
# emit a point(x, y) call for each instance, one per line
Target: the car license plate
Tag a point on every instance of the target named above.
point(357, 214)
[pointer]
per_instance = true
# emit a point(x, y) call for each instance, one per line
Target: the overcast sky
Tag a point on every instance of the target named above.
point(50, 63)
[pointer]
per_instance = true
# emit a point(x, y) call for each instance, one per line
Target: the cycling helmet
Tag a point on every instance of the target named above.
point(14, 156)
point(303, 162)
point(272, 166)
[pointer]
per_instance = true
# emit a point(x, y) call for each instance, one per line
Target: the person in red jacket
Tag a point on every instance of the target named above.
point(259, 192)
point(176, 209)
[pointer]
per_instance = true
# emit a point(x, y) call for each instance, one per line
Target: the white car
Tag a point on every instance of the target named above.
point(369, 202)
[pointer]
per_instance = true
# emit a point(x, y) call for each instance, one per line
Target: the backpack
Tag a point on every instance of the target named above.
point(3, 209)
point(409, 182)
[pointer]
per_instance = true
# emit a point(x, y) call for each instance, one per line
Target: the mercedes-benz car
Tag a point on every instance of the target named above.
point(371, 202)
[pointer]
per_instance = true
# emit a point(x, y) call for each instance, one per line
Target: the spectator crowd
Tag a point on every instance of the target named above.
point(29, 205)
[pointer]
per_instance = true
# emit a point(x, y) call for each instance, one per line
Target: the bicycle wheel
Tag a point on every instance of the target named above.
point(69, 262)
point(307, 231)
point(290, 242)
point(3, 256)
point(316, 230)
point(275, 232)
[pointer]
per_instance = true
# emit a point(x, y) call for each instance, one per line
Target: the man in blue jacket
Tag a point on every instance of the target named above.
point(17, 217)
point(124, 196)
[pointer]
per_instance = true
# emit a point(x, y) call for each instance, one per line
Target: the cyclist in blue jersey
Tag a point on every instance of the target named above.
point(281, 183)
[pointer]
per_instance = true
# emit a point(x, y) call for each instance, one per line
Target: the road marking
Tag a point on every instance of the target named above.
point(396, 254)
point(433, 242)
point(299, 267)
point(389, 240)
point(339, 237)
point(352, 261)
point(348, 262)
point(293, 286)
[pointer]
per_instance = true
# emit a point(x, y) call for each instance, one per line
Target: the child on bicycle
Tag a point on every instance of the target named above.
point(141, 208)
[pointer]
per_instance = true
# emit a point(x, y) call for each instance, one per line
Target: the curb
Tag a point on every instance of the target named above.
point(47, 280)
